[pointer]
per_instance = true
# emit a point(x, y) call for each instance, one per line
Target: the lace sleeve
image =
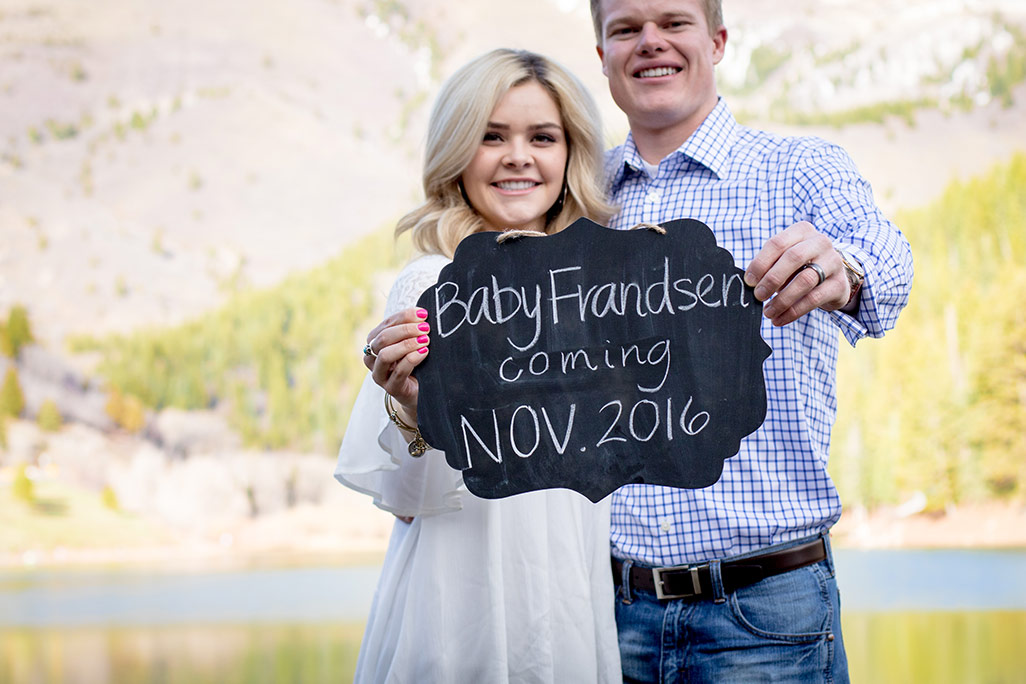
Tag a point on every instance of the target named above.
point(419, 275)
point(373, 457)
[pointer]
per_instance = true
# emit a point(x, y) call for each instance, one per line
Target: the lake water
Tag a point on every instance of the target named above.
point(909, 616)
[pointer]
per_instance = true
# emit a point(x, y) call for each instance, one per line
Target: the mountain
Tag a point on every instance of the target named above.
point(155, 157)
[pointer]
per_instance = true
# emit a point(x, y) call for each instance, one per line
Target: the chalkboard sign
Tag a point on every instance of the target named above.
point(590, 359)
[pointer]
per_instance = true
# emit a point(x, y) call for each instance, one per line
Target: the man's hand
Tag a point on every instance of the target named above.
point(778, 270)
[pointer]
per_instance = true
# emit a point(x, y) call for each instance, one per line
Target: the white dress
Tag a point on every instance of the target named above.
point(474, 590)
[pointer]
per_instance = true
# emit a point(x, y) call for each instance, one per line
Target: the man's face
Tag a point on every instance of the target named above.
point(659, 57)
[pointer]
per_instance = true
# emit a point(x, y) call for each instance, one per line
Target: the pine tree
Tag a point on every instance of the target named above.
point(49, 418)
point(19, 332)
point(12, 400)
point(6, 348)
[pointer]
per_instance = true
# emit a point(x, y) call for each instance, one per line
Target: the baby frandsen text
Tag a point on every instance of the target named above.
point(563, 293)
point(498, 304)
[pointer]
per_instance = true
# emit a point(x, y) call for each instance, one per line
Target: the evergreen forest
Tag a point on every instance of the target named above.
point(938, 406)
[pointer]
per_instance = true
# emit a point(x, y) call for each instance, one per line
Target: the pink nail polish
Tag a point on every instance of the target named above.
point(424, 326)
point(422, 339)
point(422, 350)
point(421, 313)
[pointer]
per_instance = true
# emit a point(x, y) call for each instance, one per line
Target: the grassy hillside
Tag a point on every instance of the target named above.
point(285, 361)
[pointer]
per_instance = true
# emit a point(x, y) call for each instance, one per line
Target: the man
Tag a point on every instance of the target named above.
point(735, 582)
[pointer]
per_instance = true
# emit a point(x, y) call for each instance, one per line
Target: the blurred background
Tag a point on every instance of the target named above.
point(196, 207)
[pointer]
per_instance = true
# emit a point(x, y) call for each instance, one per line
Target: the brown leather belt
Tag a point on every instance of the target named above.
point(694, 582)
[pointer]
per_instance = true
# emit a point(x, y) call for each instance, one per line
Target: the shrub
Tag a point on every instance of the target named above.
point(23, 488)
point(126, 410)
point(61, 131)
point(12, 400)
point(49, 418)
point(109, 498)
point(271, 358)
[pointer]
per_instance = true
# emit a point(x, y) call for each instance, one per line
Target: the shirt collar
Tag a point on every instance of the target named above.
point(709, 145)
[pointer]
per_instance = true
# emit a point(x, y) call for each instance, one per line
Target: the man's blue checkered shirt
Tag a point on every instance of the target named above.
point(748, 185)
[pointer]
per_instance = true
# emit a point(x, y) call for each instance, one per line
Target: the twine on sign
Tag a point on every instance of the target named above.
point(513, 234)
point(649, 226)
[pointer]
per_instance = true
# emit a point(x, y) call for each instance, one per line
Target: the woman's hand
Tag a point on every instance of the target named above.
point(399, 344)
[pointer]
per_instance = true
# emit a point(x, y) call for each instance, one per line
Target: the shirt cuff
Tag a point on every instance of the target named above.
point(855, 327)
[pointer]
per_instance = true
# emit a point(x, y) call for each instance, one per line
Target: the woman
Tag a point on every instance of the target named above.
point(473, 590)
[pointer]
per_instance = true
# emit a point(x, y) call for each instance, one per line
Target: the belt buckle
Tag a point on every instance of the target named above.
point(657, 576)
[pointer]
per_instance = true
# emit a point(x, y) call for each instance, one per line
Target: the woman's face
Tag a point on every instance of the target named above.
point(516, 174)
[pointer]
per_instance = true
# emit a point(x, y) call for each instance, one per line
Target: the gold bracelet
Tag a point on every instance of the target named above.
point(418, 446)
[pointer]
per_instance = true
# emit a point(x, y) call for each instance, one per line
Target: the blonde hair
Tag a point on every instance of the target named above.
point(458, 123)
point(713, 16)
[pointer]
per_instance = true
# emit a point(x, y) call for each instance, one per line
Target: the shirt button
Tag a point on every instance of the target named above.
point(653, 196)
point(665, 524)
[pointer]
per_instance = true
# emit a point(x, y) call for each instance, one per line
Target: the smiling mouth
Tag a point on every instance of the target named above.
point(656, 72)
point(515, 185)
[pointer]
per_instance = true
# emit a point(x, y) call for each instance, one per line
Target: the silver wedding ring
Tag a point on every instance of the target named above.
point(367, 351)
point(818, 269)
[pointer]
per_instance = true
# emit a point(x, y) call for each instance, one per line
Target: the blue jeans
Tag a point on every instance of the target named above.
point(786, 628)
